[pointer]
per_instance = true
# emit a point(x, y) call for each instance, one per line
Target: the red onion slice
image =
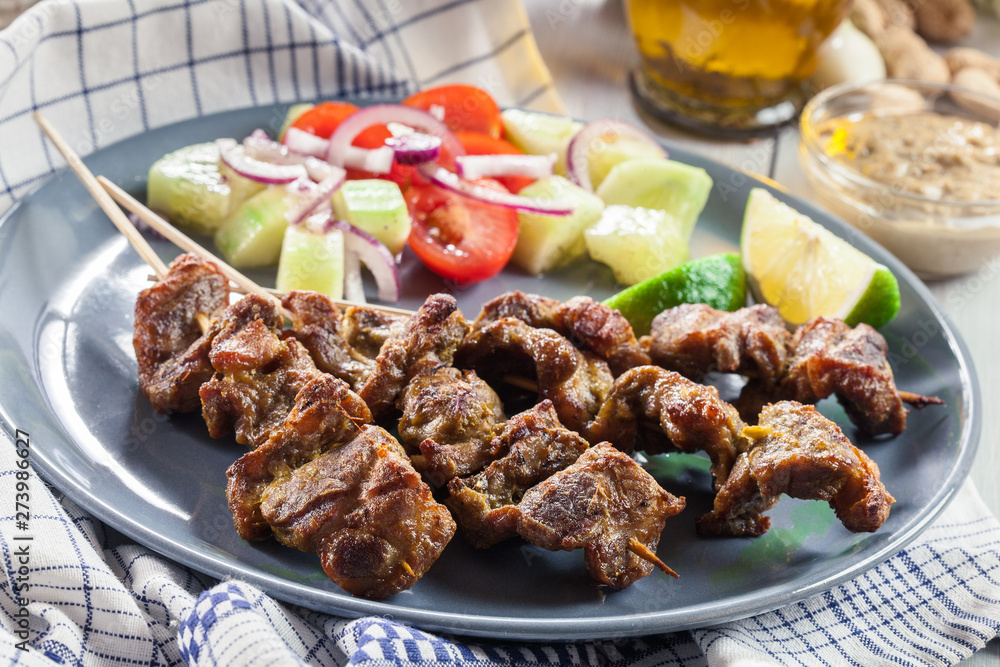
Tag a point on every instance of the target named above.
point(354, 286)
point(312, 197)
point(488, 166)
point(304, 143)
point(415, 147)
point(375, 160)
point(235, 157)
point(261, 147)
point(594, 138)
point(383, 114)
point(449, 181)
point(375, 255)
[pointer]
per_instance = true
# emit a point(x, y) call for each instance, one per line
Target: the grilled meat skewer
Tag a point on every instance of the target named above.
point(533, 445)
point(589, 325)
point(447, 424)
point(800, 453)
point(577, 382)
point(824, 357)
point(326, 414)
point(606, 504)
point(366, 512)
point(170, 346)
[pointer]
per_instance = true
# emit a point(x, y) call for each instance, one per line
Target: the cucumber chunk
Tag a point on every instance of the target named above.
point(678, 189)
point(252, 235)
point(311, 261)
point(545, 242)
point(637, 243)
point(377, 207)
point(189, 189)
point(613, 153)
point(539, 133)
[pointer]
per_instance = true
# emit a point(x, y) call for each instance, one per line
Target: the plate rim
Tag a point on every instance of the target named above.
point(550, 629)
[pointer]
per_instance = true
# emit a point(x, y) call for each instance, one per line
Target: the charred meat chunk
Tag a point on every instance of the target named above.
point(326, 414)
point(318, 324)
point(258, 375)
point(366, 512)
point(589, 325)
point(695, 339)
point(448, 417)
point(366, 330)
point(803, 454)
point(577, 382)
point(824, 357)
point(649, 402)
point(170, 346)
point(829, 357)
point(534, 446)
point(607, 505)
point(430, 339)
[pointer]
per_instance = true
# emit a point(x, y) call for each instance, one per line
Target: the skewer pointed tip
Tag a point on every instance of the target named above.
point(644, 552)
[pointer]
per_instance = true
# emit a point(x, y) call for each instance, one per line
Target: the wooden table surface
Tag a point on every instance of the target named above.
point(589, 50)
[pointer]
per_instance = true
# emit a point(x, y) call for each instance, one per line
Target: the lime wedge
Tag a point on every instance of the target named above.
point(716, 280)
point(805, 271)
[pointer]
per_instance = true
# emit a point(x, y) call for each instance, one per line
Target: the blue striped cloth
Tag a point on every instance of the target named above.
point(103, 70)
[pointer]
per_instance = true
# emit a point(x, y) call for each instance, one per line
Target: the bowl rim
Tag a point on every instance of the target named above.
point(809, 136)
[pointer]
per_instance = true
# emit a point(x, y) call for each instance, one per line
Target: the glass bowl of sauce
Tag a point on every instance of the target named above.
point(916, 166)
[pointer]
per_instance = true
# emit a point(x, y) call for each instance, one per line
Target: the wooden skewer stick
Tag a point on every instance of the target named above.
point(918, 401)
point(642, 551)
point(115, 214)
point(101, 197)
point(232, 288)
point(181, 240)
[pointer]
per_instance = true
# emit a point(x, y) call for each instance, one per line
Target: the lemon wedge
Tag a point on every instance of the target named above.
point(805, 271)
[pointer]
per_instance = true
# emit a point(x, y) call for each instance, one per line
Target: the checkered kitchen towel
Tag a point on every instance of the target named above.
point(103, 70)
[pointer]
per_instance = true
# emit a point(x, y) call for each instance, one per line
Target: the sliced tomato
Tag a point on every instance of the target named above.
point(324, 118)
point(458, 238)
point(476, 143)
point(466, 108)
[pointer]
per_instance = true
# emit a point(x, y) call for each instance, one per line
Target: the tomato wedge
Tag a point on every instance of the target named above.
point(466, 108)
point(458, 238)
point(476, 143)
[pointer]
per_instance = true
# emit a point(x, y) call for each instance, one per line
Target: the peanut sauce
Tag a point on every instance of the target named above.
point(937, 156)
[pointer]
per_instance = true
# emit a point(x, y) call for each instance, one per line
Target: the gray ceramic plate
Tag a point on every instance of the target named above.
point(68, 284)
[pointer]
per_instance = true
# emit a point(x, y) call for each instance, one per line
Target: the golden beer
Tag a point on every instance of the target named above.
point(735, 64)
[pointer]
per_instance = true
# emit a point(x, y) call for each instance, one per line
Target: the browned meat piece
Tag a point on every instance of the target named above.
point(648, 401)
point(366, 330)
point(258, 373)
point(824, 357)
point(532, 309)
point(169, 344)
point(449, 416)
point(801, 453)
point(366, 512)
point(535, 446)
point(317, 324)
point(589, 325)
point(608, 506)
point(577, 382)
point(695, 339)
point(830, 357)
point(430, 339)
point(326, 414)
